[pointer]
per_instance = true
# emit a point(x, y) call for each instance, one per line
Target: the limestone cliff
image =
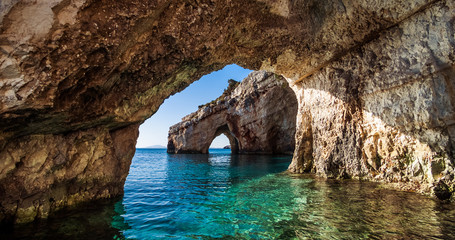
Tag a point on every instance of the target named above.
point(258, 116)
point(385, 111)
point(374, 81)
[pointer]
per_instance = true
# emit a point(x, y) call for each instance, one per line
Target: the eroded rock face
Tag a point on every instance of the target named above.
point(257, 117)
point(386, 110)
point(43, 173)
point(374, 81)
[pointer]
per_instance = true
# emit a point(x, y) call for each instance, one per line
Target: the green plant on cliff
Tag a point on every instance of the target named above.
point(227, 92)
point(405, 159)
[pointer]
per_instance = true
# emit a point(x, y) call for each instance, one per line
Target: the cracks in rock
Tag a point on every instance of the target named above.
point(367, 39)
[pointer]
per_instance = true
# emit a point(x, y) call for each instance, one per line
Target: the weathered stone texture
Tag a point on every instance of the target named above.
point(43, 173)
point(258, 117)
point(385, 111)
point(374, 79)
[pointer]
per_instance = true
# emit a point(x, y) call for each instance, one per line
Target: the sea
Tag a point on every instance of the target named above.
point(224, 196)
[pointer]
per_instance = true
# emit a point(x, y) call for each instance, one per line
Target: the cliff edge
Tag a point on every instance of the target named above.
point(374, 82)
point(257, 116)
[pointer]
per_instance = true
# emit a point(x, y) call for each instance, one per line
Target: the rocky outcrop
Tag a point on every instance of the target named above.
point(385, 111)
point(258, 116)
point(43, 173)
point(373, 79)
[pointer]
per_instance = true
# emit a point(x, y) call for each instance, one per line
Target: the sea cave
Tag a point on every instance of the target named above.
point(372, 95)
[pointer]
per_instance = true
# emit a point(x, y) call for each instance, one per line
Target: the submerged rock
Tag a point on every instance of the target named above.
point(442, 191)
point(384, 111)
point(374, 82)
point(257, 116)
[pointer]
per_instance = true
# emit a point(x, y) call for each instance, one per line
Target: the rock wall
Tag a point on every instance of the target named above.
point(374, 82)
point(43, 173)
point(258, 116)
point(385, 111)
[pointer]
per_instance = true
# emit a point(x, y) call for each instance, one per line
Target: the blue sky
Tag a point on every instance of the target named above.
point(209, 87)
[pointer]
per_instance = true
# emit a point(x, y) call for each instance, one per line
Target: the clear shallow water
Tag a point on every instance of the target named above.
point(223, 196)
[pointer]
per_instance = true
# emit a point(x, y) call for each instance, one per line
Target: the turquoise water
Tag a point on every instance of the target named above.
point(189, 196)
point(223, 196)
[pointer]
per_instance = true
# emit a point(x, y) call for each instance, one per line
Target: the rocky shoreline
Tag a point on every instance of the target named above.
point(374, 82)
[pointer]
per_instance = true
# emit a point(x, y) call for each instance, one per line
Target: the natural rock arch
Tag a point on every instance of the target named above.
point(233, 141)
point(78, 77)
point(258, 116)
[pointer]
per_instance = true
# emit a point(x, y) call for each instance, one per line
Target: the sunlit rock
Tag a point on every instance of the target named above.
point(258, 116)
point(374, 82)
point(384, 111)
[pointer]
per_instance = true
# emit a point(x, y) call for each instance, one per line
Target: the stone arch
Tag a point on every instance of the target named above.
point(77, 81)
point(259, 116)
point(233, 141)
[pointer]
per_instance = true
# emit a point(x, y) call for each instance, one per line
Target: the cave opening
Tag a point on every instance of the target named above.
point(222, 135)
point(219, 143)
point(375, 88)
point(153, 133)
point(257, 115)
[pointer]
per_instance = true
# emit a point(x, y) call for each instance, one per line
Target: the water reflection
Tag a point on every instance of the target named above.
point(355, 210)
point(88, 221)
point(223, 196)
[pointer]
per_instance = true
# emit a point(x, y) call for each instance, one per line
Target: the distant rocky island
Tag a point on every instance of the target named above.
point(155, 146)
point(373, 84)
